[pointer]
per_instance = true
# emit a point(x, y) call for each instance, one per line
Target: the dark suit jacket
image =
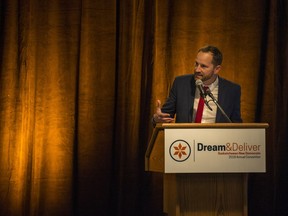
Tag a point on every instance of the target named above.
point(181, 100)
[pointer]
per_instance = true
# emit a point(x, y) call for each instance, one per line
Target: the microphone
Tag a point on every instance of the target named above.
point(199, 85)
point(203, 92)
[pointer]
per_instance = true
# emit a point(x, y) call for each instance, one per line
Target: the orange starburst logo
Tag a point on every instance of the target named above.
point(180, 150)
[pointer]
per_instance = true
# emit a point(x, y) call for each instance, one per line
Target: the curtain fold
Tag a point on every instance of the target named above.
point(79, 80)
point(280, 117)
point(95, 114)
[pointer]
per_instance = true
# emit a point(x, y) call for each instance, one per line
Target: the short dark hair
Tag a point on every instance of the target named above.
point(217, 55)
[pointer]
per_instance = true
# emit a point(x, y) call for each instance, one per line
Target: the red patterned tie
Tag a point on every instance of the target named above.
point(200, 108)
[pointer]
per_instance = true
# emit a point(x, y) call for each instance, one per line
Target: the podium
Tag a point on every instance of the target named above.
point(205, 166)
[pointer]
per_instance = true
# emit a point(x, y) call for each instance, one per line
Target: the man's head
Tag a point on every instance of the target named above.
point(208, 64)
point(217, 55)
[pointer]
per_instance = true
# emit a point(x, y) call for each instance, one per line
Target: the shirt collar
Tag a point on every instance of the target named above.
point(214, 84)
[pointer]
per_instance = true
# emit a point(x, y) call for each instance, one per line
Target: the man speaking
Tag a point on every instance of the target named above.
point(202, 97)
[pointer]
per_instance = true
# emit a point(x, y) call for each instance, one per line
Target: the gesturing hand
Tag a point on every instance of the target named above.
point(159, 116)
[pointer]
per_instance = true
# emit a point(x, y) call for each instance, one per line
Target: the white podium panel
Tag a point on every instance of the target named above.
point(214, 150)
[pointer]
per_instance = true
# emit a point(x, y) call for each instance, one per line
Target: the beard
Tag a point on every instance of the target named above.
point(208, 77)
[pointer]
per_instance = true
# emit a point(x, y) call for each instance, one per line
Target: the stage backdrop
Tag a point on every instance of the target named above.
point(79, 81)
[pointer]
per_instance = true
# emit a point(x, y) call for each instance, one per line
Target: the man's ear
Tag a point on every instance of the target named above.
point(217, 69)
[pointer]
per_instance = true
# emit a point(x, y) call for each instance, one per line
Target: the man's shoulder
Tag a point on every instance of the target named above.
point(225, 82)
point(185, 77)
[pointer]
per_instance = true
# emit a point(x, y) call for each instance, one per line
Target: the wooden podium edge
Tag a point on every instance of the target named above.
point(212, 125)
point(156, 130)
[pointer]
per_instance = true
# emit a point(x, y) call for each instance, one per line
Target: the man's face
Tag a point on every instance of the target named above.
point(204, 69)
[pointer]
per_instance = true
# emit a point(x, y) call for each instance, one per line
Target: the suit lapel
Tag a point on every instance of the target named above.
point(221, 98)
point(191, 98)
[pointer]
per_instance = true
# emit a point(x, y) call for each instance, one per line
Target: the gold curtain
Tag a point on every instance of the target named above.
point(79, 80)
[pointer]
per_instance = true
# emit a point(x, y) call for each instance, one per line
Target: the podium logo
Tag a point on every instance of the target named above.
point(180, 150)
